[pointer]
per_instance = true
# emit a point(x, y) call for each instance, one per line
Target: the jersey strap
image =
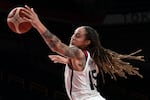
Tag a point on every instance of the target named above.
point(85, 53)
point(90, 77)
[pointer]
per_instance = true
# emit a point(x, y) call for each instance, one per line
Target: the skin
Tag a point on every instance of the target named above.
point(71, 54)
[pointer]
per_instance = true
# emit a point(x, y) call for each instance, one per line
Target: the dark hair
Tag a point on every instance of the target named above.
point(109, 61)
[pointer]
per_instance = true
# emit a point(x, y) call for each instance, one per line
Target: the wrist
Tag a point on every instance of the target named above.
point(40, 28)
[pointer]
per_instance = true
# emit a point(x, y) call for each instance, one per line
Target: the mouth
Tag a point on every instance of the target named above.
point(72, 42)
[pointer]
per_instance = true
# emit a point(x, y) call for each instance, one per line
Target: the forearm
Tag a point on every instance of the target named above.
point(51, 40)
point(54, 43)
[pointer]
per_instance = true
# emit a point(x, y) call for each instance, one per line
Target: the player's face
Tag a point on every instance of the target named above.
point(79, 38)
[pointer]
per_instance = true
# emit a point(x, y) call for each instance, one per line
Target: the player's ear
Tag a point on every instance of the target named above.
point(88, 42)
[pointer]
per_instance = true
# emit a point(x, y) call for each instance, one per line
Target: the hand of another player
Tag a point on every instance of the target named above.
point(58, 59)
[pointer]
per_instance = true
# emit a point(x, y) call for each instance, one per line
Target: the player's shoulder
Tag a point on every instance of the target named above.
point(77, 51)
point(74, 48)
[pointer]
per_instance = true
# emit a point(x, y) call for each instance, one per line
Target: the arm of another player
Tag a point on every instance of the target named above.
point(59, 59)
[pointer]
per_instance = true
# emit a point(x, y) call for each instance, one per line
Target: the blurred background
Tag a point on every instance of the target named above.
point(26, 73)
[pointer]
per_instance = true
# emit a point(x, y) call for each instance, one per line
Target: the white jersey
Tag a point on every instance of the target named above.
point(82, 85)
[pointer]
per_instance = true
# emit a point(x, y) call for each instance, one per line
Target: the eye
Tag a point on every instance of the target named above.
point(77, 35)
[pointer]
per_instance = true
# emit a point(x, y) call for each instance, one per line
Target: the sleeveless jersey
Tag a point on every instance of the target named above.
point(81, 85)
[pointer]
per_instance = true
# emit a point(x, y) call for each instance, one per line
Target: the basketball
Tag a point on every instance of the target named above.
point(16, 22)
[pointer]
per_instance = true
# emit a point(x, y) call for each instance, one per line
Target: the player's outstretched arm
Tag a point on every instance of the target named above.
point(51, 40)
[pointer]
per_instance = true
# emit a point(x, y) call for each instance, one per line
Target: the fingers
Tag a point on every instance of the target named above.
point(27, 7)
point(55, 61)
point(28, 18)
point(29, 10)
point(32, 9)
point(58, 59)
point(29, 14)
point(52, 57)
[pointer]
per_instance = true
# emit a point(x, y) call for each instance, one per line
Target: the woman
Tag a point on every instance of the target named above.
point(85, 57)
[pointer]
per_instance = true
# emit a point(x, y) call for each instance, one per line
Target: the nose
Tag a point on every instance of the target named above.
point(72, 37)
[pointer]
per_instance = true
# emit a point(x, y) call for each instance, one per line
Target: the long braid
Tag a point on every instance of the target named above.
point(109, 61)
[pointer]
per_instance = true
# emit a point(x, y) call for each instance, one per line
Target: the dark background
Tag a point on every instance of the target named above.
point(26, 73)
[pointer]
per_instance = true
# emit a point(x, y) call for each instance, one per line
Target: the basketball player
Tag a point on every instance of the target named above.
point(85, 57)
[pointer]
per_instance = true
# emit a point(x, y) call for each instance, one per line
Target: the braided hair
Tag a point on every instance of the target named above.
point(109, 61)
